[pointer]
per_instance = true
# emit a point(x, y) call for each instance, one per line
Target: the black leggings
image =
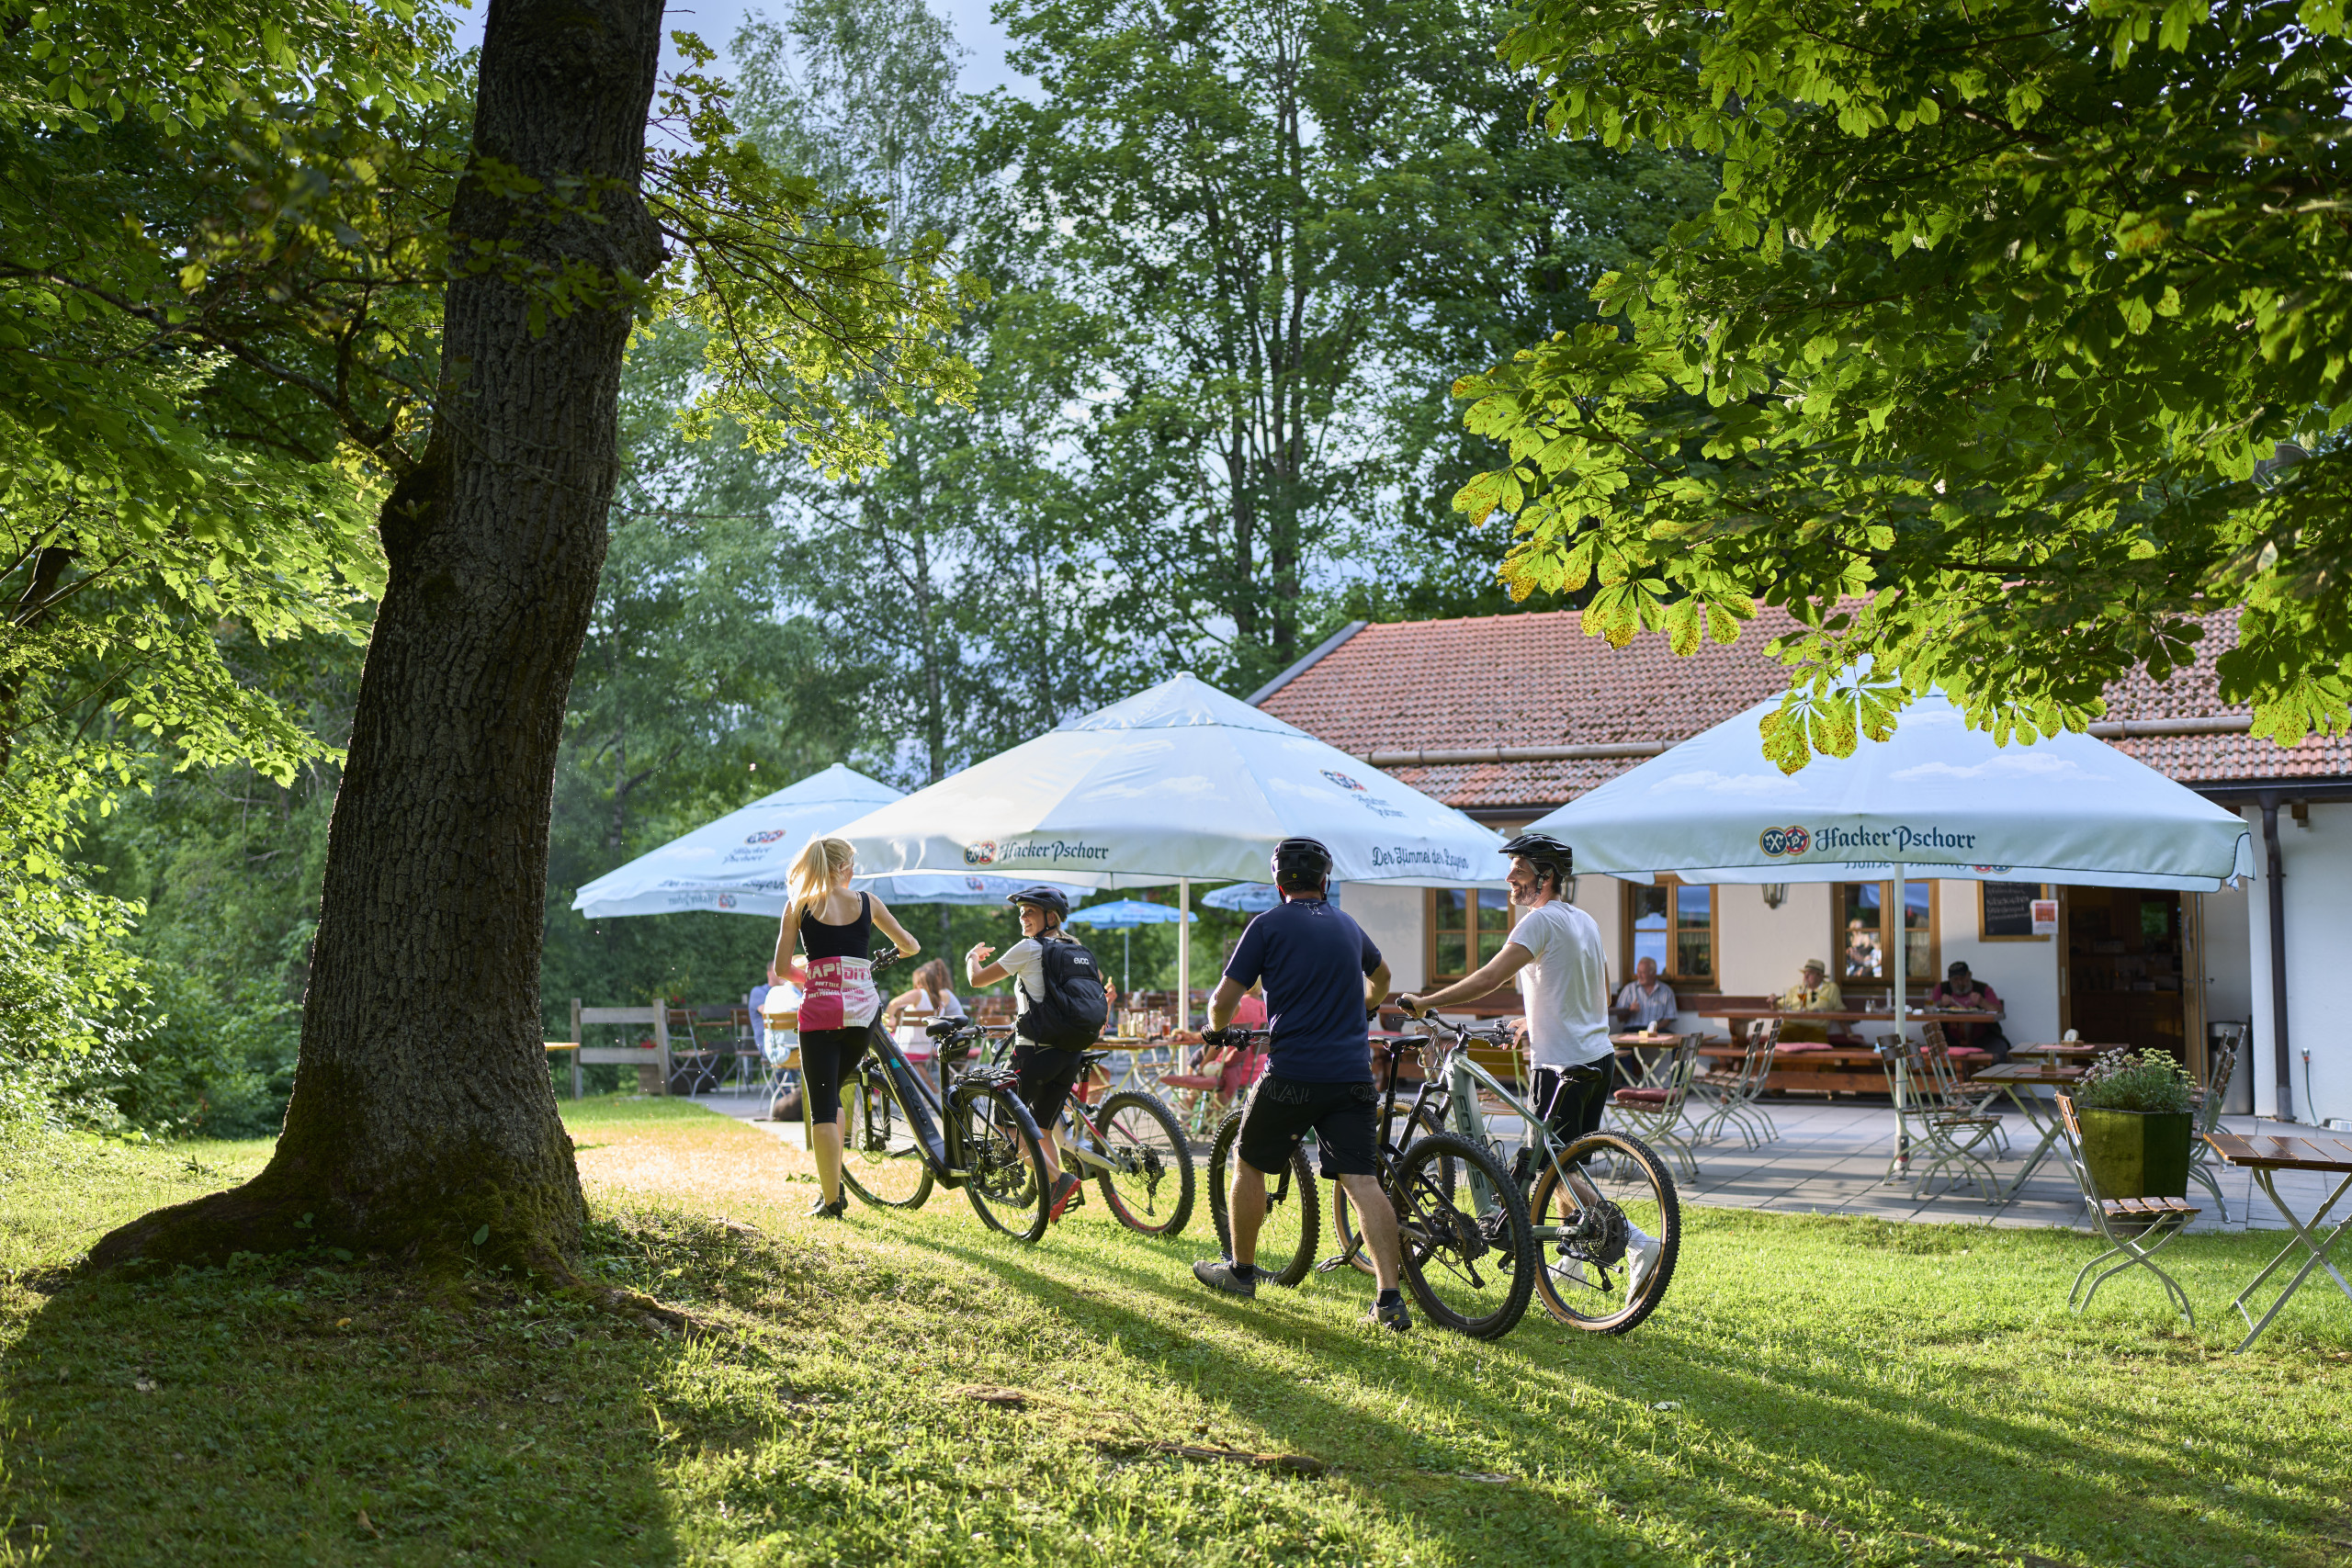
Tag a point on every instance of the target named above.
point(1572, 1098)
point(827, 1056)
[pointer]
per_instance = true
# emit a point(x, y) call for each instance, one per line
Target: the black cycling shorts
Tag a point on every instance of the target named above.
point(1282, 1109)
point(1572, 1098)
point(1048, 1076)
point(827, 1056)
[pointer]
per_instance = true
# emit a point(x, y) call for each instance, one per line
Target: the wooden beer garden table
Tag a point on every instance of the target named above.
point(2266, 1153)
point(1806, 1067)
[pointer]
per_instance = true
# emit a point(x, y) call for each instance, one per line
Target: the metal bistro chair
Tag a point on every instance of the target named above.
point(1652, 1111)
point(1737, 1093)
point(1927, 1124)
point(694, 1070)
point(747, 1068)
point(1958, 1095)
point(2125, 1224)
point(2221, 1064)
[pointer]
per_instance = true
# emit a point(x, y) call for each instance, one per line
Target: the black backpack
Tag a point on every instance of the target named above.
point(1070, 1015)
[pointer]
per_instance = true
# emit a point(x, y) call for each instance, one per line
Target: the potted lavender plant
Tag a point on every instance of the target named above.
point(2137, 1118)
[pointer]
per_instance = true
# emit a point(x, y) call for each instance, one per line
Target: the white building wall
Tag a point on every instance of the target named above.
point(2229, 975)
point(2025, 974)
point(2317, 891)
point(1392, 917)
point(1761, 950)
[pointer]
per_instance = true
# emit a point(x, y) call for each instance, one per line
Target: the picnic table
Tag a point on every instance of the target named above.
point(2268, 1153)
point(2042, 1114)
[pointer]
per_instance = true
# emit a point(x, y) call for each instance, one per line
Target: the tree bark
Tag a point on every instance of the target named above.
point(422, 1114)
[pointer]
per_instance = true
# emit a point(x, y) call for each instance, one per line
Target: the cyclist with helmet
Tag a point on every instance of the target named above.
point(1555, 953)
point(1323, 979)
point(1056, 1016)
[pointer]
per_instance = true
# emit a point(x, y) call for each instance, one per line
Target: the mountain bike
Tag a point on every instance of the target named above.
point(1470, 1267)
point(1131, 1145)
point(902, 1137)
point(1606, 1218)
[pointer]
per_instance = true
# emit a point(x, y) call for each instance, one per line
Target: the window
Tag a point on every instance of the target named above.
point(1862, 938)
point(1467, 927)
point(1673, 924)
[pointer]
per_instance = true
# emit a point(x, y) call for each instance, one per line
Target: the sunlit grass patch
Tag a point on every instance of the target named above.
point(912, 1388)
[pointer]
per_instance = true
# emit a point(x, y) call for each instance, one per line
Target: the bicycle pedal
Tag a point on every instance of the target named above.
point(1329, 1264)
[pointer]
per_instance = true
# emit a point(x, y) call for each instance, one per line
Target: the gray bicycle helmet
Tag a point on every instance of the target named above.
point(1044, 898)
point(1546, 853)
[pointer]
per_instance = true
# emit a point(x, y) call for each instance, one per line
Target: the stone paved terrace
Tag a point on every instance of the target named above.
point(1831, 1159)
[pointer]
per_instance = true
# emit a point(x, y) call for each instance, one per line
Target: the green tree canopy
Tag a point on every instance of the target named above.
point(1990, 362)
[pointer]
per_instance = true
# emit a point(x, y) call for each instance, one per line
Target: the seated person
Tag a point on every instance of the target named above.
point(1645, 999)
point(782, 994)
point(1963, 991)
point(929, 996)
point(1813, 992)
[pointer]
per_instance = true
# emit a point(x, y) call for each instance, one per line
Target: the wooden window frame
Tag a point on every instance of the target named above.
point(1886, 899)
point(1698, 983)
point(1432, 976)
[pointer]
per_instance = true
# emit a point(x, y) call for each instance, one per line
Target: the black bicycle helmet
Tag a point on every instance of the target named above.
point(1300, 864)
point(1044, 898)
point(1546, 853)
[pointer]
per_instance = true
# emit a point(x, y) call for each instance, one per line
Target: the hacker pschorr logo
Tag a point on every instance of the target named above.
point(981, 854)
point(1784, 840)
point(1344, 780)
point(766, 836)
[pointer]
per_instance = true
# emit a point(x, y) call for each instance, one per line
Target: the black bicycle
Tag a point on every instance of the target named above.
point(902, 1138)
point(1467, 1245)
point(1131, 1145)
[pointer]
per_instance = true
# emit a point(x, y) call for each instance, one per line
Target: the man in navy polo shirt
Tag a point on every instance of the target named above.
point(1324, 979)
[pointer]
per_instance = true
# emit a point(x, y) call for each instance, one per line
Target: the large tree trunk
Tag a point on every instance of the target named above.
point(421, 1111)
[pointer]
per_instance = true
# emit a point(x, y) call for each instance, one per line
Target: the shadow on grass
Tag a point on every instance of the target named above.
point(303, 1410)
point(1839, 1441)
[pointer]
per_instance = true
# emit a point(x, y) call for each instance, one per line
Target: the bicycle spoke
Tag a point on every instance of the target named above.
point(1149, 1187)
point(881, 1161)
point(1612, 1229)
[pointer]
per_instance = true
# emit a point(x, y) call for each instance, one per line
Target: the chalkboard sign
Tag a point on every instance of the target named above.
point(2007, 910)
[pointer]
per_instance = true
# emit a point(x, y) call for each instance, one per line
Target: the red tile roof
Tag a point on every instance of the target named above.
point(1536, 680)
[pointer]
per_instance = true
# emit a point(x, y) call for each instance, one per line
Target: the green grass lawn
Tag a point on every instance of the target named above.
point(1814, 1391)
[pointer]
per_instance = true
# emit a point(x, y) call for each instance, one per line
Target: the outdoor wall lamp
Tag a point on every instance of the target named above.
point(1775, 895)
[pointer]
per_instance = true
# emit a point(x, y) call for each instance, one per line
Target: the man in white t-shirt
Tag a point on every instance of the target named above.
point(1555, 955)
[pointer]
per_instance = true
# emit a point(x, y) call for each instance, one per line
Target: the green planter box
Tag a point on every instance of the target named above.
point(2138, 1154)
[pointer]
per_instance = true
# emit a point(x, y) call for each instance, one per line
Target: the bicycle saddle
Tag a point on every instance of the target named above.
point(1093, 1058)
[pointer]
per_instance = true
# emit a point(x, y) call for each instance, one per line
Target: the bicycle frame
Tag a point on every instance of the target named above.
point(944, 1153)
point(1093, 1164)
point(1464, 1078)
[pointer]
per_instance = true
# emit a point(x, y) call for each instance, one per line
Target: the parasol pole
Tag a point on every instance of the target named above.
point(1184, 953)
point(1902, 919)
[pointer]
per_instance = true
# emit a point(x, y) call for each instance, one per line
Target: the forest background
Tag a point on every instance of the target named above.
point(1235, 255)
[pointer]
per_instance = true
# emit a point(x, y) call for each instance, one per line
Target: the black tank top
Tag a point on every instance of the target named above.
point(852, 940)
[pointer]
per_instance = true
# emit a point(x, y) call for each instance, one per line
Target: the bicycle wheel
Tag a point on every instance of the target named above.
point(1149, 1184)
point(881, 1160)
point(1343, 1215)
point(1595, 1243)
point(1287, 1237)
point(1007, 1181)
point(1471, 1273)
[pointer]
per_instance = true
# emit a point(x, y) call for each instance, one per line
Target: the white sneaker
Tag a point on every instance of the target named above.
point(1641, 1252)
point(1568, 1271)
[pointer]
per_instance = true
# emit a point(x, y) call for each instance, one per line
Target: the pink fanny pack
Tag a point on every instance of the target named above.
point(840, 994)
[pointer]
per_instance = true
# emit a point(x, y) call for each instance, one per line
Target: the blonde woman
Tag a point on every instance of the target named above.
point(835, 926)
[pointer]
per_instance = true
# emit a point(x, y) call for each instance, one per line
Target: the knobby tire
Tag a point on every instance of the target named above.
point(1155, 1196)
point(1630, 1176)
point(1289, 1192)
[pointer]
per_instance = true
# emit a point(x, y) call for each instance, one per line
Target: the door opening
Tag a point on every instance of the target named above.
point(2132, 969)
